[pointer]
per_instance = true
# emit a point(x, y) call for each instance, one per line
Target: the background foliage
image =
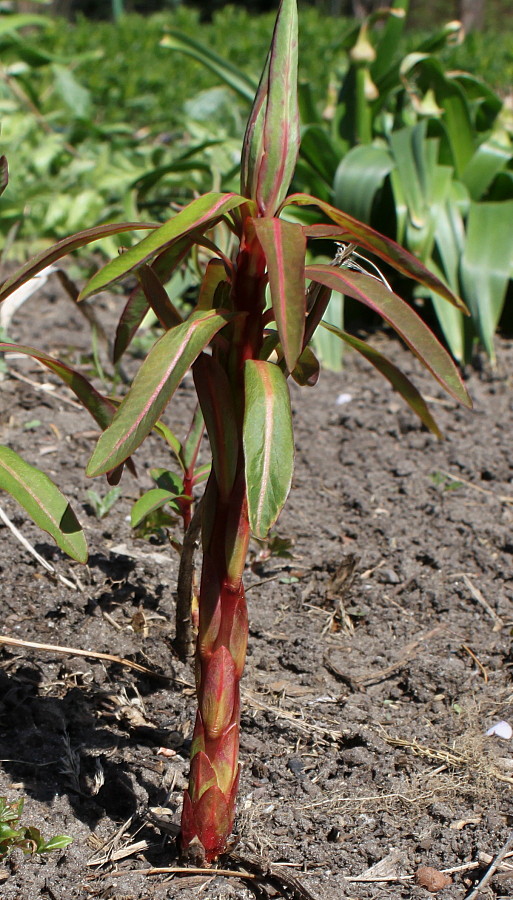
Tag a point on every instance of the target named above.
point(94, 133)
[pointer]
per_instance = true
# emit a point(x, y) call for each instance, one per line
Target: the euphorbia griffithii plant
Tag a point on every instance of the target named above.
point(255, 345)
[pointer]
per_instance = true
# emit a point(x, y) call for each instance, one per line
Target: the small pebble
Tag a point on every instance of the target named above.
point(431, 879)
point(501, 729)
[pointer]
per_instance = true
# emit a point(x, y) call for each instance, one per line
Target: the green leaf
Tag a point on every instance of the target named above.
point(167, 480)
point(44, 503)
point(307, 369)
point(486, 266)
point(199, 215)
point(152, 388)
point(349, 229)
point(59, 842)
point(268, 443)
point(402, 318)
point(271, 141)
point(233, 77)
point(359, 176)
point(284, 246)
point(216, 401)
point(153, 499)
point(62, 248)
point(191, 445)
point(490, 158)
point(397, 379)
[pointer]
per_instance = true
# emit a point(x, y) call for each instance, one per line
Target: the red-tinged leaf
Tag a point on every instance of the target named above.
point(201, 776)
point(101, 409)
point(215, 397)
point(214, 280)
point(44, 503)
point(408, 325)
point(350, 229)
point(268, 443)
point(4, 174)
point(62, 248)
point(307, 369)
point(213, 819)
point(271, 142)
point(191, 445)
point(217, 693)
point(225, 761)
point(200, 215)
point(397, 379)
point(133, 314)
point(157, 297)
point(137, 306)
point(284, 246)
point(152, 388)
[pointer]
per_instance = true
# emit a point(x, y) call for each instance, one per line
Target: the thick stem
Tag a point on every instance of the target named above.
point(209, 802)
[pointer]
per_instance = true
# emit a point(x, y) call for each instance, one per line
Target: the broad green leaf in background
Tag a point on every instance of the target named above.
point(44, 503)
point(268, 443)
point(231, 75)
point(284, 246)
point(359, 176)
point(152, 388)
point(486, 265)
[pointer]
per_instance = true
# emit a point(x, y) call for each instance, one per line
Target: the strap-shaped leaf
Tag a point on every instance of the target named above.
point(268, 443)
point(215, 397)
point(62, 248)
point(199, 215)
point(271, 142)
point(152, 388)
point(137, 305)
point(44, 503)
point(157, 297)
point(231, 75)
point(397, 379)
point(350, 229)
point(101, 409)
point(284, 246)
point(486, 266)
point(408, 325)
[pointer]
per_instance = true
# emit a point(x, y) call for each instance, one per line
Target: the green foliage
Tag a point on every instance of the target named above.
point(102, 506)
point(425, 154)
point(43, 501)
point(14, 836)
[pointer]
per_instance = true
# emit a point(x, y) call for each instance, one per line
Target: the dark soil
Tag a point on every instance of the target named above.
point(379, 655)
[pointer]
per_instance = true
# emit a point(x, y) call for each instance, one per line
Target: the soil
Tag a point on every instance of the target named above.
point(379, 654)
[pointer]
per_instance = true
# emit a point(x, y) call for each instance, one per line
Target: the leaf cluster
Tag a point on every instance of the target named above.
point(28, 838)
